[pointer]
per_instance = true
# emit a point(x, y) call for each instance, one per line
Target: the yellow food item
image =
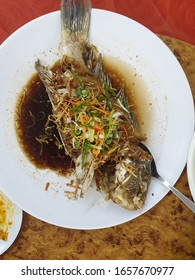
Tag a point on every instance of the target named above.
point(6, 216)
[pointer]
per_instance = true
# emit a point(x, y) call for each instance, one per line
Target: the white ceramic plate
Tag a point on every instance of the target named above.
point(191, 167)
point(14, 216)
point(169, 136)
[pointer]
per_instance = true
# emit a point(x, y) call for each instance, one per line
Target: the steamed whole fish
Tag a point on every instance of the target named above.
point(96, 126)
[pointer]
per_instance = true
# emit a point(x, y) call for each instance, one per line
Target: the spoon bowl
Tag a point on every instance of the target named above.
point(189, 203)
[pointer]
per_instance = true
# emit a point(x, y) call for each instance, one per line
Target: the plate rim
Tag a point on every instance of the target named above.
point(190, 165)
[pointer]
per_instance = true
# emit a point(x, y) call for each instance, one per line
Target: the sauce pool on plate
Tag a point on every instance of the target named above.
point(36, 130)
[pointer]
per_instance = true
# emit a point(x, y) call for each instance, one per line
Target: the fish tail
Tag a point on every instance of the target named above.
point(75, 22)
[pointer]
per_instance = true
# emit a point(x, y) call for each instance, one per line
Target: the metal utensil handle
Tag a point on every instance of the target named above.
point(189, 203)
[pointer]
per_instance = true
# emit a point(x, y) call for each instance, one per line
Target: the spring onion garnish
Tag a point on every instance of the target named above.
point(89, 119)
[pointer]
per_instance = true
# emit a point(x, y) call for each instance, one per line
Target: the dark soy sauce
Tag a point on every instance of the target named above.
point(43, 147)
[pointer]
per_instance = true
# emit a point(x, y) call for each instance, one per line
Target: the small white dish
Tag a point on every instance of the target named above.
point(191, 167)
point(15, 218)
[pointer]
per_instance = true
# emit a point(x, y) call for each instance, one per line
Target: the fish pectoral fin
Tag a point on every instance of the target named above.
point(44, 72)
point(87, 181)
point(46, 76)
point(84, 175)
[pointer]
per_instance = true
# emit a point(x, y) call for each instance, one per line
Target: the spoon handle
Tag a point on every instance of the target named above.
point(189, 203)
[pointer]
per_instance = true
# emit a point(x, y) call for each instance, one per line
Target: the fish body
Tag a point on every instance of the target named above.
point(94, 121)
point(61, 87)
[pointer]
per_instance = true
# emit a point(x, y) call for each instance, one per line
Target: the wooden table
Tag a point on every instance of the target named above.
point(167, 231)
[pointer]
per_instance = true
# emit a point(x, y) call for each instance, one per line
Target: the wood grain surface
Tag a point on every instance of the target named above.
point(167, 231)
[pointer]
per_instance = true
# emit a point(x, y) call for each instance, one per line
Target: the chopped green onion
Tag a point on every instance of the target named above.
point(86, 148)
point(81, 105)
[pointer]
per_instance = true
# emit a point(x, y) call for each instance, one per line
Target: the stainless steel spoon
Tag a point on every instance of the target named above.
point(189, 203)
